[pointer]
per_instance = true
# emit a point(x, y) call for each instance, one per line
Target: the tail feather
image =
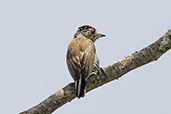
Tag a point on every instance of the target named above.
point(80, 87)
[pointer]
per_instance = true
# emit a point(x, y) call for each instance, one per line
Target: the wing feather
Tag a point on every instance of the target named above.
point(80, 58)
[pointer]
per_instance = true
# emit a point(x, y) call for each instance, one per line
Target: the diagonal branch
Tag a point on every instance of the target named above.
point(106, 74)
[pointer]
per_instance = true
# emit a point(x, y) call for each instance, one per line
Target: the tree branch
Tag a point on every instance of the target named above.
point(106, 74)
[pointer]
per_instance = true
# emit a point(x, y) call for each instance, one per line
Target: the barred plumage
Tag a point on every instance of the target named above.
point(81, 57)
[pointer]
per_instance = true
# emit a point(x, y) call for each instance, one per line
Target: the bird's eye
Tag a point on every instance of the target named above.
point(92, 31)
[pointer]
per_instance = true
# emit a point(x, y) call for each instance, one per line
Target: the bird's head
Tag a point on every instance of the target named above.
point(87, 31)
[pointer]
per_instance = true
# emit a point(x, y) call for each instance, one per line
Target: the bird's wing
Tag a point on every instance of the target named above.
point(87, 62)
point(80, 58)
point(87, 59)
point(74, 66)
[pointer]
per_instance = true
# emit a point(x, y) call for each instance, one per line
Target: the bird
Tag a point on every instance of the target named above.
point(82, 60)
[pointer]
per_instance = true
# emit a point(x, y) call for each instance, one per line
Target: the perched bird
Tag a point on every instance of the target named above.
point(81, 57)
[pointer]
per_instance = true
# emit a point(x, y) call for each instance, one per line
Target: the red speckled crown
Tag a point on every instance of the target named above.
point(91, 26)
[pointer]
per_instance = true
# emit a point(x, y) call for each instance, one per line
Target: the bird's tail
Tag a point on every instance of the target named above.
point(80, 87)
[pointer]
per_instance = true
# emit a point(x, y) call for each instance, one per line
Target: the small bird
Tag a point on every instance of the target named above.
point(81, 57)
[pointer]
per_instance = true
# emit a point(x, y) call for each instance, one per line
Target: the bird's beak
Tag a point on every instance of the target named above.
point(100, 35)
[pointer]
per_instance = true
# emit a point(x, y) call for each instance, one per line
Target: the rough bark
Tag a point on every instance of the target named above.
point(106, 74)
